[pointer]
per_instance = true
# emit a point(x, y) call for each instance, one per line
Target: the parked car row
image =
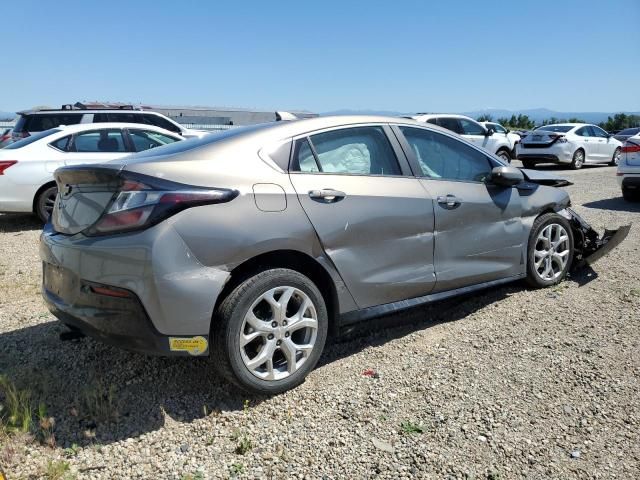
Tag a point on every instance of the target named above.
point(27, 166)
point(253, 245)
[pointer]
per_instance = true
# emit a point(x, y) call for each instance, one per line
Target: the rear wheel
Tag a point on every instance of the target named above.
point(269, 332)
point(504, 155)
point(578, 159)
point(45, 202)
point(630, 195)
point(549, 251)
point(616, 157)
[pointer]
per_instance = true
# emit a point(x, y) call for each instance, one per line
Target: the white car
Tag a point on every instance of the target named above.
point(568, 143)
point(471, 130)
point(512, 138)
point(629, 169)
point(27, 166)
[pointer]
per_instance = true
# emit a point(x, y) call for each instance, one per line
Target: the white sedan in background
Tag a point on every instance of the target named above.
point(629, 169)
point(27, 166)
point(569, 143)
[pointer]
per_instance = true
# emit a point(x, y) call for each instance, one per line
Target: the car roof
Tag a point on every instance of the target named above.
point(81, 127)
point(81, 111)
point(426, 116)
point(566, 124)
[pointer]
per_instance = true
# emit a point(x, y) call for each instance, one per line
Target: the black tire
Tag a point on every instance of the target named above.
point(504, 154)
point(44, 203)
point(528, 164)
point(630, 195)
point(578, 159)
point(543, 221)
point(228, 321)
point(616, 157)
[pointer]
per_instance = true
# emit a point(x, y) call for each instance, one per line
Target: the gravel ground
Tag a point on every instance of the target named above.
point(512, 383)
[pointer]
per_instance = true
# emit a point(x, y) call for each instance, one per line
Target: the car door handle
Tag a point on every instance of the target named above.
point(327, 195)
point(449, 201)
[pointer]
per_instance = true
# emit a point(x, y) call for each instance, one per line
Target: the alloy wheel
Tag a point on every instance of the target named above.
point(578, 159)
point(551, 252)
point(278, 333)
point(616, 157)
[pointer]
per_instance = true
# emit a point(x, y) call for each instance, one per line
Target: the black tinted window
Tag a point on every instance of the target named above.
point(102, 141)
point(359, 150)
point(629, 131)
point(556, 128)
point(39, 123)
point(161, 122)
point(450, 124)
point(440, 156)
point(122, 117)
point(62, 143)
point(146, 139)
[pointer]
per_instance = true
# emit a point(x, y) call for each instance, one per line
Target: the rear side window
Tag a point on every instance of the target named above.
point(146, 139)
point(450, 124)
point(119, 117)
point(584, 132)
point(355, 151)
point(442, 157)
point(99, 141)
point(45, 121)
point(62, 144)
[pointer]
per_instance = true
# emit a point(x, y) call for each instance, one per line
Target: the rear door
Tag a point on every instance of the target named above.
point(589, 142)
point(373, 218)
point(478, 227)
point(96, 146)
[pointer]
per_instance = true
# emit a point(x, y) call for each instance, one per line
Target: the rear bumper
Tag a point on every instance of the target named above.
point(172, 295)
point(121, 322)
point(629, 181)
point(539, 157)
point(557, 153)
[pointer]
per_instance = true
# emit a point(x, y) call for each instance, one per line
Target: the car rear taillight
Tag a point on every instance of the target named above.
point(630, 147)
point(4, 164)
point(561, 140)
point(137, 206)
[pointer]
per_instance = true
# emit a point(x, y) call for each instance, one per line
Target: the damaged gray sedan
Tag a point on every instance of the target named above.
point(252, 246)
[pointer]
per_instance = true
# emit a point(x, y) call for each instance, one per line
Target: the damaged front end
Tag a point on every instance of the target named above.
point(588, 245)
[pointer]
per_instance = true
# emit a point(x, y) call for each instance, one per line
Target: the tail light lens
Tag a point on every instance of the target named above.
point(137, 206)
point(562, 140)
point(630, 147)
point(4, 164)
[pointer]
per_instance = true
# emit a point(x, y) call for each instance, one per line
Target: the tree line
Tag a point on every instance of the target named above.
point(619, 121)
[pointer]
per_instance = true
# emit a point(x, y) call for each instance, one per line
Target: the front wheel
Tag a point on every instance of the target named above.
point(504, 155)
point(616, 157)
point(45, 202)
point(269, 332)
point(549, 251)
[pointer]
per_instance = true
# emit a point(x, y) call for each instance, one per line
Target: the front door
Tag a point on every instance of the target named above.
point(478, 227)
point(373, 218)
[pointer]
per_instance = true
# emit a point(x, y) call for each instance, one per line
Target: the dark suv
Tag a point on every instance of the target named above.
point(32, 121)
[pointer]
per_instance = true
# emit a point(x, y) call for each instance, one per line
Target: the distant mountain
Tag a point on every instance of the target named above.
point(4, 116)
point(535, 114)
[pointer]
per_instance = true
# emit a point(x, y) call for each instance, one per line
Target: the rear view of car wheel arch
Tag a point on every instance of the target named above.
point(268, 333)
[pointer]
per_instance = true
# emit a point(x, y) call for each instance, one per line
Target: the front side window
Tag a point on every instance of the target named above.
point(598, 132)
point(146, 139)
point(355, 151)
point(442, 157)
point(161, 122)
point(498, 128)
point(471, 128)
point(99, 141)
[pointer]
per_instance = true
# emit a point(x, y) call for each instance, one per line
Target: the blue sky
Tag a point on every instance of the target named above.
point(325, 55)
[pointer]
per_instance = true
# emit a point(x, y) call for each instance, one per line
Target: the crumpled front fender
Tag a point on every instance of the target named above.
point(589, 246)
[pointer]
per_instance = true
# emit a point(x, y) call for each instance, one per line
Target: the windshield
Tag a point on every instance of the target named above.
point(556, 128)
point(33, 138)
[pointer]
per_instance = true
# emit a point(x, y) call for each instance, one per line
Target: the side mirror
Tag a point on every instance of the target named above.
point(506, 176)
point(490, 131)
